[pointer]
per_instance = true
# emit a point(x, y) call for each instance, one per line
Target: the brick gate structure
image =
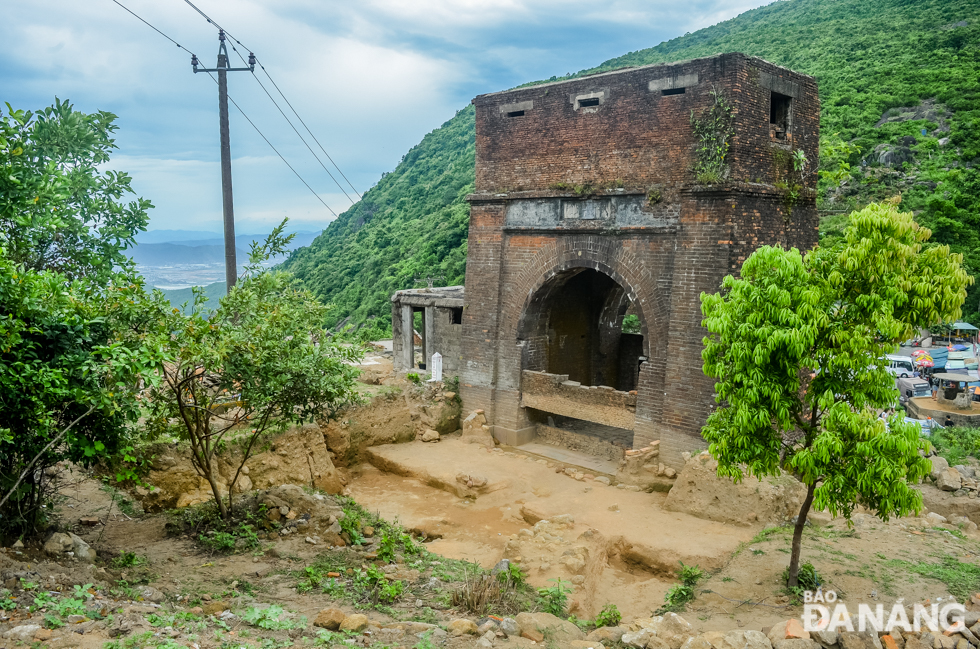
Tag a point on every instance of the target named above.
point(587, 210)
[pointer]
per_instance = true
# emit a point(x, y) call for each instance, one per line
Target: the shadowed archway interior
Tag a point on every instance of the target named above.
point(573, 325)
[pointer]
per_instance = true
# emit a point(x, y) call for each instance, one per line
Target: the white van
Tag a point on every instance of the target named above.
point(900, 366)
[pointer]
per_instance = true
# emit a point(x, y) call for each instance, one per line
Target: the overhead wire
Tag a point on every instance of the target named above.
point(230, 98)
point(288, 103)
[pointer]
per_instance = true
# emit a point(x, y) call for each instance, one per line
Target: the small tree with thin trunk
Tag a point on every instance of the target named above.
point(796, 345)
point(256, 364)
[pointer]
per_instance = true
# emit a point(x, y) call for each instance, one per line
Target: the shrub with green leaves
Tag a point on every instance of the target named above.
point(554, 599)
point(608, 616)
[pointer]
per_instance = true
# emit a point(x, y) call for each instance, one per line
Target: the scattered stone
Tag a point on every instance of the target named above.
point(603, 479)
point(90, 521)
point(58, 543)
point(151, 594)
point(939, 464)
point(786, 630)
point(356, 622)
point(509, 626)
point(18, 545)
point(42, 635)
point(607, 634)
point(310, 540)
point(461, 627)
point(585, 644)
point(825, 638)
point(76, 619)
point(935, 519)
point(23, 633)
point(949, 480)
point(430, 436)
point(856, 640)
point(330, 619)
point(214, 608)
point(561, 631)
point(638, 639)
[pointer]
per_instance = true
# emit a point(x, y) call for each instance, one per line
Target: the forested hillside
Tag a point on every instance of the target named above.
point(879, 63)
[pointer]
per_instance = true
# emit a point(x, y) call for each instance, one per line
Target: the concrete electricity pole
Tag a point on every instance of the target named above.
point(228, 208)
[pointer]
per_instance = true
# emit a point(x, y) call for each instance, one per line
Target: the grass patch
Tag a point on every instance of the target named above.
point(680, 594)
point(955, 444)
point(962, 579)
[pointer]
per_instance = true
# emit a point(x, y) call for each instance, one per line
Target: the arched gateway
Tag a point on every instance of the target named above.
point(588, 209)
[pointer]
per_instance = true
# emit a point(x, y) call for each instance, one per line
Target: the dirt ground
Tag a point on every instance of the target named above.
point(613, 546)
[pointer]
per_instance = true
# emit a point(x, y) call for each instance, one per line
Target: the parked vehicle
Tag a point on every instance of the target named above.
point(912, 387)
point(900, 366)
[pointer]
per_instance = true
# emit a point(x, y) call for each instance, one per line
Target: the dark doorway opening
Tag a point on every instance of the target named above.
point(574, 326)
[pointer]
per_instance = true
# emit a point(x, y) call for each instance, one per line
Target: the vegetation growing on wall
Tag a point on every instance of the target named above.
point(713, 129)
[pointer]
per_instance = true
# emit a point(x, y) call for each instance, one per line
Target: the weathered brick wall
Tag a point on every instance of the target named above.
point(530, 231)
point(554, 393)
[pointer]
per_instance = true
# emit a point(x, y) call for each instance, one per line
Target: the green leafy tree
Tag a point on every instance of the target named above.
point(70, 367)
point(256, 364)
point(796, 343)
point(71, 310)
point(58, 209)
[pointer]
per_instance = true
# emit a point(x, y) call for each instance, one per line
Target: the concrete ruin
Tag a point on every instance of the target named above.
point(440, 330)
point(587, 209)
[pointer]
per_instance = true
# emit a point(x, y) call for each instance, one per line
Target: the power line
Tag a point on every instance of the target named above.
point(145, 22)
point(248, 119)
point(153, 28)
point(288, 103)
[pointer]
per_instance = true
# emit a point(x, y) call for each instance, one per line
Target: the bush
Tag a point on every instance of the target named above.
point(554, 599)
point(608, 616)
point(680, 594)
point(955, 444)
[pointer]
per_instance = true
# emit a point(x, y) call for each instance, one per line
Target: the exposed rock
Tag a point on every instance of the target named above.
point(825, 638)
point(949, 480)
point(509, 626)
point(585, 644)
point(944, 503)
point(476, 430)
point(151, 594)
point(430, 436)
point(699, 491)
point(738, 640)
point(638, 639)
point(330, 619)
point(22, 633)
point(356, 622)
point(856, 640)
point(462, 626)
point(82, 550)
point(795, 643)
point(786, 630)
point(215, 607)
point(58, 543)
point(607, 634)
point(561, 631)
point(939, 464)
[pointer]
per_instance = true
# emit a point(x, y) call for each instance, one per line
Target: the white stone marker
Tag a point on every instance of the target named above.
point(436, 367)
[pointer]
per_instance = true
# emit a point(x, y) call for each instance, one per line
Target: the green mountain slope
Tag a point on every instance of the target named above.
point(875, 61)
point(408, 228)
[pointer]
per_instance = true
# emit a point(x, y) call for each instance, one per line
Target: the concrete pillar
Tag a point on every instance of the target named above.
point(427, 337)
point(408, 338)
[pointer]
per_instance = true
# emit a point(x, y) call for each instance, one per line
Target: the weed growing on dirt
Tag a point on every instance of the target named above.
point(554, 599)
point(680, 594)
point(128, 560)
point(204, 524)
point(133, 642)
point(956, 443)
point(271, 618)
point(962, 579)
point(807, 579)
point(608, 616)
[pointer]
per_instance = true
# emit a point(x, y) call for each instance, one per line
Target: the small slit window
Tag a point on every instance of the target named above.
point(593, 101)
point(672, 91)
point(516, 113)
point(456, 314)
point(779, 115)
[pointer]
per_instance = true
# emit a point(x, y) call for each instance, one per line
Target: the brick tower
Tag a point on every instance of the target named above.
point(588, 209)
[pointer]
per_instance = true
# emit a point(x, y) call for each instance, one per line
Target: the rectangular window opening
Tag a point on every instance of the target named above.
point(516, 113)
point(594, 101)
point(779, 114)
point(456, 314)
point(672, 91)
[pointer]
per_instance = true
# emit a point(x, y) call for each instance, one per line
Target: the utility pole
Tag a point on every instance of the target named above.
point(227, 204)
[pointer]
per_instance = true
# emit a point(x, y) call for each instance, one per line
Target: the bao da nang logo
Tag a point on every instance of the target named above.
point(823, 612)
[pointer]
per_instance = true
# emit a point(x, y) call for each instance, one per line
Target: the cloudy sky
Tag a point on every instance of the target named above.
point(370, 78)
